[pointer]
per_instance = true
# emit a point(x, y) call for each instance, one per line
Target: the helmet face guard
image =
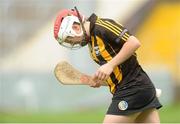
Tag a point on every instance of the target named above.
point(85, 37)
point(70, 46)
point(71, 42)
point(66, 28)
point(63, 29)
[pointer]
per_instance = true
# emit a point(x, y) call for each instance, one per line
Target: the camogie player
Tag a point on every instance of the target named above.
point(113, 47)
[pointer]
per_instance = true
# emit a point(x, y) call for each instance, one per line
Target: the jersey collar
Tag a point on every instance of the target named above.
point(92, 20)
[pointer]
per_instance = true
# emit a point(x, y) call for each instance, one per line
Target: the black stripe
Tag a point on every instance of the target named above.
point(103, 61)
point(110, 52)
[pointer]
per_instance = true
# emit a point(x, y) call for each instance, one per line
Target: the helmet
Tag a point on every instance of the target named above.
point(63, 25)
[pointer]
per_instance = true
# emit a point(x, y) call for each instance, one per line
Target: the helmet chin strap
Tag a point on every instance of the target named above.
point(85, 36)
point(83, 43)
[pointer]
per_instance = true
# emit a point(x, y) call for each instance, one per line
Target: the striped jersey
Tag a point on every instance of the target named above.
point(106, 40)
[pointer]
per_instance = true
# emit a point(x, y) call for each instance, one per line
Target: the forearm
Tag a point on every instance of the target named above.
point(128, 49)
point(104, 71)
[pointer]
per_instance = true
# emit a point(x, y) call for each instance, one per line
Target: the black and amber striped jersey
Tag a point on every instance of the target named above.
point(106, 40)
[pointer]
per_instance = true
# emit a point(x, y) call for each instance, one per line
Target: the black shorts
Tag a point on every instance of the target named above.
point(133, 100)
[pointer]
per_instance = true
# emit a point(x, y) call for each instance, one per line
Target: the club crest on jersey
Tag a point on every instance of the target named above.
point(123, 105)
point(96, 49)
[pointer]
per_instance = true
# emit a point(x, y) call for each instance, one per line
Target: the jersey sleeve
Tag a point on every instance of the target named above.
point(116, 33)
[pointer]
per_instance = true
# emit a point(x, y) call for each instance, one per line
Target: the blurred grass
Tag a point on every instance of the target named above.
point(89, 116)
point(168, 114)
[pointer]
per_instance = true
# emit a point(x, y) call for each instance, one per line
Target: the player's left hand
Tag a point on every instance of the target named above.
point(103, 72)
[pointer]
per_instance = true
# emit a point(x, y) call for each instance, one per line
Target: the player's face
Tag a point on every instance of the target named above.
point(74, 40)
point(76, 27)
point(77, 39)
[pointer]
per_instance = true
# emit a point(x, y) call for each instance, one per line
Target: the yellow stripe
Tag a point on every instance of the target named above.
point(110, 30)
point(117, 73)
point(112, 85)
point(102, 49)
point(114, 26)
point(126, 35)
point(109, 81)
point(111, 26)
point(117, 27)
point(107, 28)
point(104, 53)
point(101, 45)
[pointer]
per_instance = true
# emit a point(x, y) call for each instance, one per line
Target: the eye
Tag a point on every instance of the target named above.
point(74, 27)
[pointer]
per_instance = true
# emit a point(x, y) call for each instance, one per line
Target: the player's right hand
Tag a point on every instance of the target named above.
point(95, 83)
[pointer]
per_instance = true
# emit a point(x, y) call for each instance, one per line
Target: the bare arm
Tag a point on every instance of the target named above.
point(128, 49)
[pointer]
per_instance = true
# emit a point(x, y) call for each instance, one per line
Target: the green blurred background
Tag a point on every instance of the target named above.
point(29, 91)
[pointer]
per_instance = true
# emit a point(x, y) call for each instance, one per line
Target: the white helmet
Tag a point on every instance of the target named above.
point(66, 27)
point(63, 27)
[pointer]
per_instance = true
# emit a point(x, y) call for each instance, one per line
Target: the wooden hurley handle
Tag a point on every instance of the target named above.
point(87, 80)
point(68, 75)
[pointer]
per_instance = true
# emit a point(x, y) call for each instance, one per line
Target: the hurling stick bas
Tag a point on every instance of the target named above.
point(68, 75)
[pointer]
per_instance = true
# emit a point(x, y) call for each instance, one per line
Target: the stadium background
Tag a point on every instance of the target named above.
point(29, 91)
